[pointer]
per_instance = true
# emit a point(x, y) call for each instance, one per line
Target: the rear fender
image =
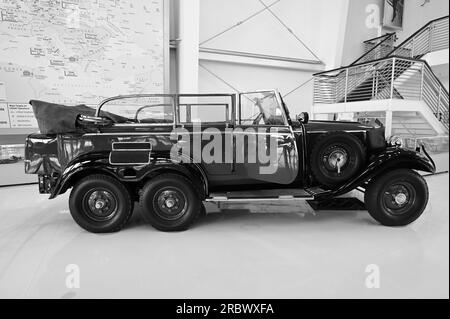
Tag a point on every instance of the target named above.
point(98, 163)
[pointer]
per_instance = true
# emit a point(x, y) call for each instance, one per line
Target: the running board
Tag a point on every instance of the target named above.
point(261, 195)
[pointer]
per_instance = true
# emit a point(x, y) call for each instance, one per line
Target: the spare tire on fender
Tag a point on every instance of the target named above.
point(337, 157)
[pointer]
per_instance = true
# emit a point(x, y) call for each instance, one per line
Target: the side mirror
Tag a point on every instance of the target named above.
point(93, 121)
point(303, 118)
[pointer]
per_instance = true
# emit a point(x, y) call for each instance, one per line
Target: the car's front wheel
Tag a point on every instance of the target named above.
point(100, 204)
point(397, 198)
point(170, 202)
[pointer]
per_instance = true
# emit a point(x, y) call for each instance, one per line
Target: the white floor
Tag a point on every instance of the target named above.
point(232, 254)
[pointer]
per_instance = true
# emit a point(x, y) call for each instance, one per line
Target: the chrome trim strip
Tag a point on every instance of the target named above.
point(131, 151)
point(134, 149)
point(280, 198)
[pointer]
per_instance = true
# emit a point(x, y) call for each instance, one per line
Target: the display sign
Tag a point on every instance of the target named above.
point(21, 116)
point(15, 115)
point(4, 117)
point(78, 52)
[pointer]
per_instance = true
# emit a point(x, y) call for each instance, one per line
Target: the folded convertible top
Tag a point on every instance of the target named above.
point(58, 119)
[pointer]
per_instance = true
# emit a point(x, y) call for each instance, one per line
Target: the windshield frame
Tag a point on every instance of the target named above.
point(280, 105)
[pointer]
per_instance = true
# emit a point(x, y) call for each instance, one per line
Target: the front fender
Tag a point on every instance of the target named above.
point(391, 158)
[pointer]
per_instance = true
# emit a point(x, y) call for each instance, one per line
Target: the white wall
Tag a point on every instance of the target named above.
point(252, 77)
point(416, 16)
point(333, 30)
point(320, 24)
point(363, 22)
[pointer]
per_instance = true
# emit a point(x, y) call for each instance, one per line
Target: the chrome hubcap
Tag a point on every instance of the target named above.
point(171, 203)
point(401, 199)
point(337, 159)
point(100, 205)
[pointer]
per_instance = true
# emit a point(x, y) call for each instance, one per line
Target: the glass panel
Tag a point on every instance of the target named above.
point(261, 108)
point(205, 109)
point(367, 118)
point(140, 110)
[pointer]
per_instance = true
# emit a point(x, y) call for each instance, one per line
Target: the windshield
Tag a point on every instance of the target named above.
point(261, 108)
point(140, 110)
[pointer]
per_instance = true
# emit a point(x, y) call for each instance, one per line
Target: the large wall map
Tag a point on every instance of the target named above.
point(77, 51)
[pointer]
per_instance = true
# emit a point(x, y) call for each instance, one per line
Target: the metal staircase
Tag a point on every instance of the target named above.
point(394, 80)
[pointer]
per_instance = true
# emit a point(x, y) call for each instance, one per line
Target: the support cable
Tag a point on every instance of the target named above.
point(240, 22)
point(218, 77)
point(298, 87)
point(289, 30)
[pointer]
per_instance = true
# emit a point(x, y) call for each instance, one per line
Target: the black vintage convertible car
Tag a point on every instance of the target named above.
point(170, 153)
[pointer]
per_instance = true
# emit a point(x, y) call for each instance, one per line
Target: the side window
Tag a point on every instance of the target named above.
point(204, 109)
point(260, 108)
point(140, 110)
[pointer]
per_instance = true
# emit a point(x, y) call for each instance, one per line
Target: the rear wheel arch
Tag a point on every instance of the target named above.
point(81, 173)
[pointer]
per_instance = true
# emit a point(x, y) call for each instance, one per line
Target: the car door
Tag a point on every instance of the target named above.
point(265, 145)
point(207, 119)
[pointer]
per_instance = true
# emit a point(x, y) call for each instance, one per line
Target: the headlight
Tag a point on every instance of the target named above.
point(396, 141)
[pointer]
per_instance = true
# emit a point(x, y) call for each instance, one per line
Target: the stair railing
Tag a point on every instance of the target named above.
point(431, 37)
point(377, 48)
point(388, 78)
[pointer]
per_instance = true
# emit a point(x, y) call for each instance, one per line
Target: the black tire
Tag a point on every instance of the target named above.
point(388, 209)
point(182, 196)
point(336, 157)
point(115, 204)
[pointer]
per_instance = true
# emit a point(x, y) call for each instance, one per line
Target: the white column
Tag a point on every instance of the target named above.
point(388, 126)
point(188, 47)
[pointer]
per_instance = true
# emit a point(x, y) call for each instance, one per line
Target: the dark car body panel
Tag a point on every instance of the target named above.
point(135, 153)
point(90, 154)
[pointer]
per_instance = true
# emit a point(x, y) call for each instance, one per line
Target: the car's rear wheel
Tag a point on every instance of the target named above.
point(336, 157)
point(170, 202)
point(397, 198)
point(100, 204)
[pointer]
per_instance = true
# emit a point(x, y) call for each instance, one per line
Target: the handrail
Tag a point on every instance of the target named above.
point(377, 38)
point(410, 38)
point(394, 76)
point(387, 78)
point(368, 63)
point(382, 60)
point(388, 37)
